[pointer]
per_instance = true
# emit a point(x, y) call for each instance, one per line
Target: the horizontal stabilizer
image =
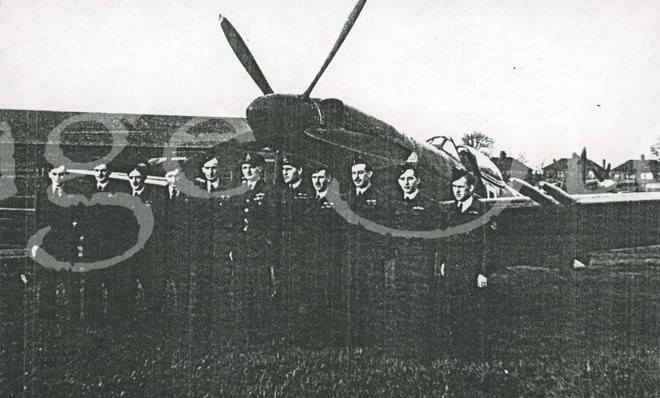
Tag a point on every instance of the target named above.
point(533, 193)
point(557, 193)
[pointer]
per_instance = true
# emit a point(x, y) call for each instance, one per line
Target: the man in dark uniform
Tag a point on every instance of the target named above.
point(368, 252)
point(177, 235)
point(216, 222)
point(365, 200)
point(416, 206)
point(321, 179)
point(53, 210)
point(466, 268)
point(103, 181)
point(258, 200)
point(294, 197)
point(101, 221)
point(327, 320)
point(294, 187)
point(211, 181)
point(59, 289)
point(137, 178)
point(467, 208)
point(131, 287)
point(410, 281)
point(253, 258)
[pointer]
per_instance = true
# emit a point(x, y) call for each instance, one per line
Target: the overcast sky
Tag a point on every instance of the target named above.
point(544, 78)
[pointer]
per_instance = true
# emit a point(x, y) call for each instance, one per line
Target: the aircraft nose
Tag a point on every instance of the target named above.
point(276, 116)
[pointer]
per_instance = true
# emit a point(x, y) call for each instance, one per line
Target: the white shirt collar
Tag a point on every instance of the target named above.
point(410, 196)
point(212, 184)
point(321, 195)
point(360, 191)
point(102, 185)
point(252, 184)
point(138, 193)
point(464, 205)
point(173, 190)
point(296, 184)
point(55, 189)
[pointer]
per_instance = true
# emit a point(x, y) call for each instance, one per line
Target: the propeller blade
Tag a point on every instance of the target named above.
point(342, 36)
point(244, 55)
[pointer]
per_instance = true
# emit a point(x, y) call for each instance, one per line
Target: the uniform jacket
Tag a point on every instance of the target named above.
point(256, 207)
point(372, 204)
point(293, 205)
point(418, 213)
point(469, 253)
point(54, 211)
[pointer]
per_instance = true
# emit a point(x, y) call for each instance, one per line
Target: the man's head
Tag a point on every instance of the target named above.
point(462, 185)
point(210, 168)
point(361, 173)
point(57, 174)
point(102, 173)
point(321, 179)
point(173, 177)
point(252, 167)
point(137, 176)
point(291, 169)
point(408, 179)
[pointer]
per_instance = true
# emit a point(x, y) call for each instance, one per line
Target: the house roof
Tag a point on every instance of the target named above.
point(562, 165)
point(632, 165)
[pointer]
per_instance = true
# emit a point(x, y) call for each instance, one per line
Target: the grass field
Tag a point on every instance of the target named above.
point(588, 333)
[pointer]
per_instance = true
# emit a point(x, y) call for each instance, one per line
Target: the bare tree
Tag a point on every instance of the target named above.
point(478, 141)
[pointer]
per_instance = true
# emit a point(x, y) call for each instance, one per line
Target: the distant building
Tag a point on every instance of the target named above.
point(557, 172)
point(512, 168)
point(637, 175)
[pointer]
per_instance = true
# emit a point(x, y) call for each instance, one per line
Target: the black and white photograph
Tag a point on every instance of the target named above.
point(344, 198)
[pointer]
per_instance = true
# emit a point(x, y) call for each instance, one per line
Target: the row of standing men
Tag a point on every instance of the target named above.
point(278, 262)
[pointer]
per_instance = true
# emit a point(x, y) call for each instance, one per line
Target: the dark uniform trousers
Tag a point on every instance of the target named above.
point(178, 237)
point(107, 232)
point(253, 264)
point(324, 317)
point(411, 279)
point(211, 267)
point(130, 283)
point(368, 255)
point(59, 290)
point(468, 255)
point(292, 276)
point(104, 234)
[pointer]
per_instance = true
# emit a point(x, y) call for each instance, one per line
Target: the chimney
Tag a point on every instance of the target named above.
point(502, 155)
point(604, 163)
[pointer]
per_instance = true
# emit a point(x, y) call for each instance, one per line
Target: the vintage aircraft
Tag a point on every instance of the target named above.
point(533, 224)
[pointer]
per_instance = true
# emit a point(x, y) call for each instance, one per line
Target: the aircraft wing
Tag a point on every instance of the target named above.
point(617, 198)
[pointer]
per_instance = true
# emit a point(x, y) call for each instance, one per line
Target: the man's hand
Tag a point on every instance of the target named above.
point(481, 281)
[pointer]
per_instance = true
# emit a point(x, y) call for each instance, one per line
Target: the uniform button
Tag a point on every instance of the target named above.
point(247, 210)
